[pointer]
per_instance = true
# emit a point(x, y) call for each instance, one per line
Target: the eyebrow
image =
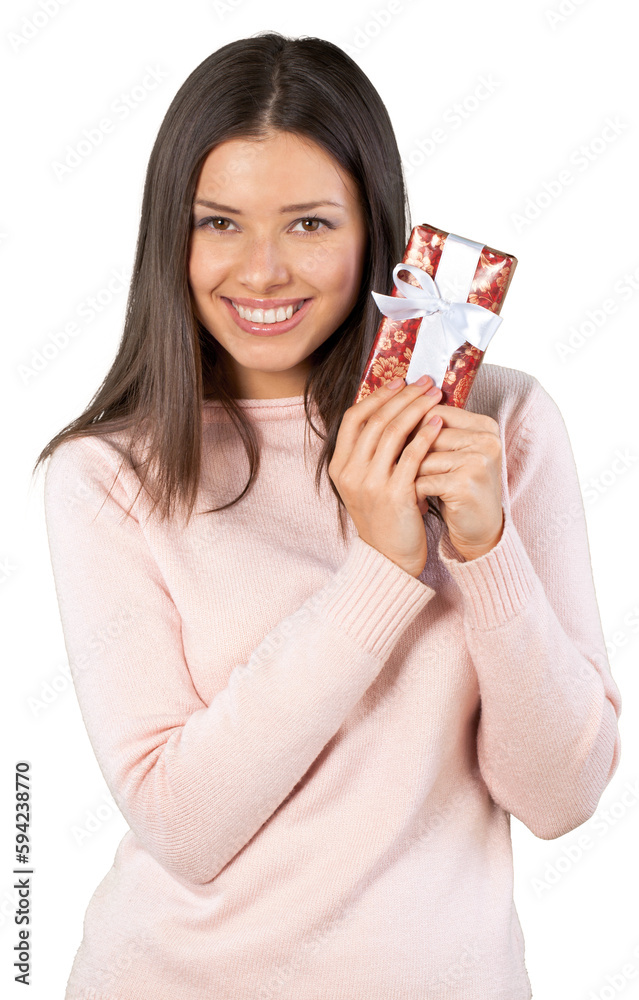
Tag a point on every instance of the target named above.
point(287, 208)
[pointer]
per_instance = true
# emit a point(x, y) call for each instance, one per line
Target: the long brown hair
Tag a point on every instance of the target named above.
point(167, 362)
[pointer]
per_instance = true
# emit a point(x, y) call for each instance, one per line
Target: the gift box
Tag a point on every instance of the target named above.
point(440, 320)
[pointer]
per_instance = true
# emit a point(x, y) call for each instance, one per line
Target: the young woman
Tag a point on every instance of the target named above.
point(322, 650)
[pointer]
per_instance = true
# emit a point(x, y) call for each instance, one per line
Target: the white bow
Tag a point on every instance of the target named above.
point(445, 326)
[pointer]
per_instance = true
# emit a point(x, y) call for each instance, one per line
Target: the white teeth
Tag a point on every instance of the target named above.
point(267, 315)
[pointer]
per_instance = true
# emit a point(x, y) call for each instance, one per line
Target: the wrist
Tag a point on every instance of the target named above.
point(468, 553)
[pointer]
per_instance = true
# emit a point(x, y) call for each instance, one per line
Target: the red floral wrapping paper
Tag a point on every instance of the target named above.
point(391, 352)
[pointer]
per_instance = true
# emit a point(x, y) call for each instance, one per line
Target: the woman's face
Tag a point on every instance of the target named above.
point(253, 243)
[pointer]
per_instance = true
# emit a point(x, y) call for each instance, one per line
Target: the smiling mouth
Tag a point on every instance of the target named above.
point(267, 316)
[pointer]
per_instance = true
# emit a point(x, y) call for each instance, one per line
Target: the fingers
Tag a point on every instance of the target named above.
point(408, 465)
point(463, 419)
point(459, 438)
point(382, 438)
point(384, 442)
point(354, 420)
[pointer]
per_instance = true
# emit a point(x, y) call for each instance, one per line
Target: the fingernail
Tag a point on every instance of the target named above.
point(395, 383)
point(434, 389)
point(423, 380)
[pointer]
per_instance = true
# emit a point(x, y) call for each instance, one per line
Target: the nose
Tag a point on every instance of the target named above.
point(262, 265)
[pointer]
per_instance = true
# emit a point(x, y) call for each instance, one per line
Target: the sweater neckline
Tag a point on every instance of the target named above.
point(261, 409)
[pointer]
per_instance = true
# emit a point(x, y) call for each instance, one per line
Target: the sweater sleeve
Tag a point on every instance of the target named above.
point(195, 782)
point(547, 741)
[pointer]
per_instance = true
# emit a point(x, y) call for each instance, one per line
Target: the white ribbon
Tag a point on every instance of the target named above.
point(445, 326)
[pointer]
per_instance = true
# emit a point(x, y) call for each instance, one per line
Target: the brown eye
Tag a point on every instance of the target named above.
point(207, 223)
point(316, 221)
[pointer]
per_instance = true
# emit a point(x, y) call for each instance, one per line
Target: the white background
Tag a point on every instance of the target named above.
point(556, 81)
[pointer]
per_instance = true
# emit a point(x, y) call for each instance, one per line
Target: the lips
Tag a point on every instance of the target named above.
point(299, 309)
point(276, 313)
point(264, 303)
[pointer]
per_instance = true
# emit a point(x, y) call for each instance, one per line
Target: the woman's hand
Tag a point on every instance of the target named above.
point(463, 469)
point(374, 469)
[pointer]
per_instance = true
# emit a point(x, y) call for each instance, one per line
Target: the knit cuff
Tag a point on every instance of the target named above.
point(495, 586)
point(373, 598)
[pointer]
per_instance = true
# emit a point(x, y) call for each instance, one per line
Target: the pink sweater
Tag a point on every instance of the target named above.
point(316, 753)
